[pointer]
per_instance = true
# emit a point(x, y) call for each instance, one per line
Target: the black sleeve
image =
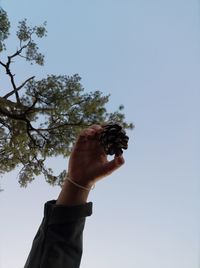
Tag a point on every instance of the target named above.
point(58, 242)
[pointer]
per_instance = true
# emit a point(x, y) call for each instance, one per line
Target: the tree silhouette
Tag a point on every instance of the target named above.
point(42, 118)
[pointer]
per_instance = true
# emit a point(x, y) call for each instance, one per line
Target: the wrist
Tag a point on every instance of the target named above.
point(81, 180)
point(83, 187)
point(72, 195)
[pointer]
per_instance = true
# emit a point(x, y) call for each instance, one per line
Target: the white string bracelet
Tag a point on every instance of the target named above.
point(80, 186)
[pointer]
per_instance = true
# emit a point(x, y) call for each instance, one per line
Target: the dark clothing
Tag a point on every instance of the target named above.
point(58, 242)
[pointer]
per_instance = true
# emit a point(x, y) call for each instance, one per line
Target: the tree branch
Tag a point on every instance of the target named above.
point(28, 128)
point(8, 72)
point(19, 51)
point(18, 88)
point(5, 124)
point(12, 115)
point(38, 131)
point(4, 65)
point(64, 125)
point(32, 106)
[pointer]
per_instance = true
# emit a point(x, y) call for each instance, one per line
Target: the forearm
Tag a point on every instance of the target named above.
point(58, 242)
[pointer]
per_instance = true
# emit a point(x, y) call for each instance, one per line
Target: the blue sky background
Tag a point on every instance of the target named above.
point(146, 54)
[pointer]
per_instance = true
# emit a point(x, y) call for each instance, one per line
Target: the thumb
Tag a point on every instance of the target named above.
point(114, 164)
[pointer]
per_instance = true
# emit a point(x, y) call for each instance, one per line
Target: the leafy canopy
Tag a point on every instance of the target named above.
point(42, 118)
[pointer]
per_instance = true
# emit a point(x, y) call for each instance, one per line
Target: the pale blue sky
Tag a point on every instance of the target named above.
point(147, 55)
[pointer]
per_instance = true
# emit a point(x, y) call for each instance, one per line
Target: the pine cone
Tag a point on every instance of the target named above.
point(113, 139)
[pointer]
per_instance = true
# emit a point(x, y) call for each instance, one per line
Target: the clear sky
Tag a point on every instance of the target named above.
point(146, 54)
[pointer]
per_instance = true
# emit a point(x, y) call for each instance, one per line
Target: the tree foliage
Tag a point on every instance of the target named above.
point(42, 118)
point(4, 28)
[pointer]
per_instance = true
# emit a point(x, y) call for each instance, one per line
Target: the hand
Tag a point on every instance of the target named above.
point(88, 162)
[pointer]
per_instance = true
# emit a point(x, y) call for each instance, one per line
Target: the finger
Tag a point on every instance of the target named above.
point(114, 164)
point(96, 127)
point(87, 132)
point(92, 132)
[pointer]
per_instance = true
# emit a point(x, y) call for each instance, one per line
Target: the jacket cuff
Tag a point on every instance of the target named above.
point(57, 214)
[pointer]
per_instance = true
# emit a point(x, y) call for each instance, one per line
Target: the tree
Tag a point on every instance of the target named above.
point(42, 118)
